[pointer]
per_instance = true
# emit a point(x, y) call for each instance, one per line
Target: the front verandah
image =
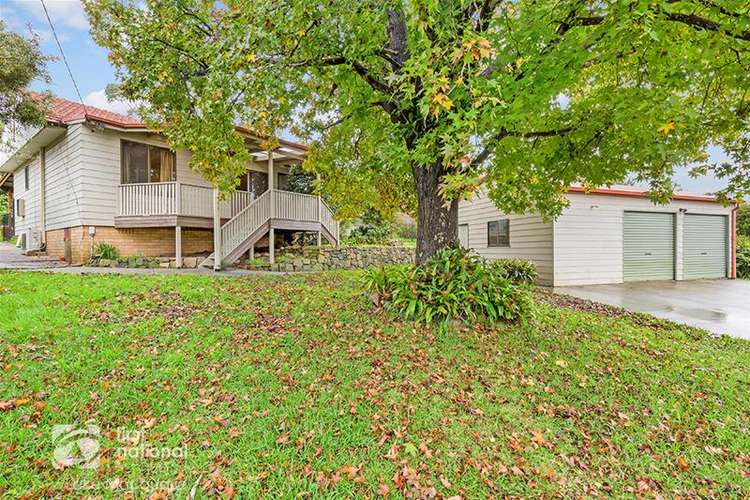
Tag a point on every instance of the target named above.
point(239, 220)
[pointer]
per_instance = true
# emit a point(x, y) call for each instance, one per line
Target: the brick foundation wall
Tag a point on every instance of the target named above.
point(149, 242)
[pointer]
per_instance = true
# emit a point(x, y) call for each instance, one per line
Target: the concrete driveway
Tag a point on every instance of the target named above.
point(13, 258)
point(719, 306)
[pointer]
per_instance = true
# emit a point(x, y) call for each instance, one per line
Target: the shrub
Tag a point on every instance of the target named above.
point(407, 231)
point(453, 284)
point(743, 257)
point(373, 229)
point(106, 251)
point(516, 270)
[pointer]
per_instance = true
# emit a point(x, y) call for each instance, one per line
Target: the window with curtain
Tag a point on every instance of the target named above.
point(243, 182)
point(498, 233)
point(143, 163)
point(257, 183)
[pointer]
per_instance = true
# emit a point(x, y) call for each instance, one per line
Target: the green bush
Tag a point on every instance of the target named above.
point(743, 257)
point(516, 270)
point(373, 229)
point(452, 285)
point(106, 251)
point(407, 231)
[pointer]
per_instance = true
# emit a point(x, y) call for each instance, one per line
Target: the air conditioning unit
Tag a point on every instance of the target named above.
point(33, 240)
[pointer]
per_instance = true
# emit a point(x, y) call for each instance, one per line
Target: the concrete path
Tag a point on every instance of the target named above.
point(719, 306)
point(160, 271)
point(13, 258)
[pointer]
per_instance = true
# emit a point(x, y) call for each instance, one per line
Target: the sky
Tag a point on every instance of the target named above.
point(93, 73)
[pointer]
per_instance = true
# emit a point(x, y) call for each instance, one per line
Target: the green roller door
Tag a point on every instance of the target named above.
point(705, 246)
point(648, 246)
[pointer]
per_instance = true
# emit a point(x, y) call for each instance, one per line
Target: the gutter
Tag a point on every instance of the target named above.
point(639, 194)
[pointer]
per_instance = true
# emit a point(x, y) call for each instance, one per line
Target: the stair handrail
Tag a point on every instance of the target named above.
point(329, 212)
point(233, 233)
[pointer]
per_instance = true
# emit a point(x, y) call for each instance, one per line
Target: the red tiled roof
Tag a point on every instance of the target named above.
point(64, 112)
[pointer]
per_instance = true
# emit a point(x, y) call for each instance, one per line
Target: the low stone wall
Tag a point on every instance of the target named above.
point(331, 258)
point(147, 262)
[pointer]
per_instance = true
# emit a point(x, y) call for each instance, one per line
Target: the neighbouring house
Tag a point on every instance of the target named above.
point(92, 176)
point(609, 236)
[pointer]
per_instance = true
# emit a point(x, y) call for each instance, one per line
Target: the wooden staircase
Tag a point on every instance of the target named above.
point(274, 209)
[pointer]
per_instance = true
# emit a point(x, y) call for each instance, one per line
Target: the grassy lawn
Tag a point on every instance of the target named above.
point(280, 386)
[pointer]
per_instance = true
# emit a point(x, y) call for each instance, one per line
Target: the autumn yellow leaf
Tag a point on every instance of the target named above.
point(443, 101)
point(668, 127)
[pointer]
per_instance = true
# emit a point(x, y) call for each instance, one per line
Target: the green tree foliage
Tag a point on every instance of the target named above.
point(21, 62)
point(415, 105)
point(743, 220)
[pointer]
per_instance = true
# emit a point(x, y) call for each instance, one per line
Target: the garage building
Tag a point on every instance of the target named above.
point(609, 236)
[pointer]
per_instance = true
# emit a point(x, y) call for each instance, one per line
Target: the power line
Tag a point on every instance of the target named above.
point(65, 59)
point(85, 115)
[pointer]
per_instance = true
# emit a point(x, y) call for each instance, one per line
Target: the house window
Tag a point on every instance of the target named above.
point(498, 233)
point(283, 181)
point(257, 183)
point(143, 163)
point(243, 182)
point(26, 178)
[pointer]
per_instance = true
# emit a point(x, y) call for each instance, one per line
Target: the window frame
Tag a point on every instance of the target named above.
point(148, 146)
point(26, 178)
point(251, 185)
point(498, 243)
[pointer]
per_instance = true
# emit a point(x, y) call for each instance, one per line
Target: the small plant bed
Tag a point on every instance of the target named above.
point(454, 285)
point(290, 386)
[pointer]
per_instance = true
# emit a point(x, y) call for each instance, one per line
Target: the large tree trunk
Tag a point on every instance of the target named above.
point(437, 222)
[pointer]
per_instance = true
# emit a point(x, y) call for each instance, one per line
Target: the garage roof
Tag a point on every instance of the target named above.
point(622, 190)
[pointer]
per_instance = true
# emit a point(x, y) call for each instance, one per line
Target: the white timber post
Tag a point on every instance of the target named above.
point(272, 194)
point(217, 232)
point(178, 246)
point(320, 214)
point(178, 198)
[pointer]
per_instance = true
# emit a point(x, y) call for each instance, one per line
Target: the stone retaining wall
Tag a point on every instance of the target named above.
point(147, 262)
point(330, 258)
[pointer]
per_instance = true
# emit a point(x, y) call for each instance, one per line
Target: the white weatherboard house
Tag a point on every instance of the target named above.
point(609, 236)
point(91, 176)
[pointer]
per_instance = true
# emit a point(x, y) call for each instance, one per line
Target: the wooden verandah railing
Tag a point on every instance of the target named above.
point(246, 218)
point(176, 198)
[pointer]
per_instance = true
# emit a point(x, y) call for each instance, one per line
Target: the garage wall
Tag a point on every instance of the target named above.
point(530, 236)
point(588, 236)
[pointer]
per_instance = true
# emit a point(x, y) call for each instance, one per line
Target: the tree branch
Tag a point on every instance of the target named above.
point(397, 44)
point(487, 151)
point(692, 20)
